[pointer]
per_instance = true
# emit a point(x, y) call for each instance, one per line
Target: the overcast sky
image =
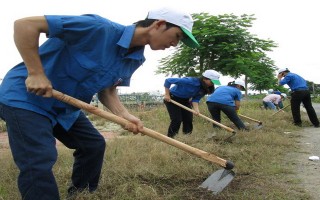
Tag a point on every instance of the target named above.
point(293, 25)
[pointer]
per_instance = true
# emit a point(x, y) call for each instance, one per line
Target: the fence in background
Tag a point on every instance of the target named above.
point(135, 100)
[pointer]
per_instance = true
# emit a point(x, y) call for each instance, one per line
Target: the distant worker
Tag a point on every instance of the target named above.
point(299, 94)
point(187, 91)
point(227, 99)
point(272, 101)
point(280, 104)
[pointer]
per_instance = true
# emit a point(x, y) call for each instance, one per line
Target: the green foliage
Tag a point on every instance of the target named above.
point(226, 46)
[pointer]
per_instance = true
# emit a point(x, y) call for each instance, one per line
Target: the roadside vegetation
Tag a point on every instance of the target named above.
point(140, 167)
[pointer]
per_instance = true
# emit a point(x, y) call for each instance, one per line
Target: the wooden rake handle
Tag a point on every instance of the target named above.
point(281, 109)
point(203, 116)
point(123, 122)
point(250, 118)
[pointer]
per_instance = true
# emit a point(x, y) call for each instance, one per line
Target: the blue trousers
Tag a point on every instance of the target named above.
point(33, 145)
point(269, 105)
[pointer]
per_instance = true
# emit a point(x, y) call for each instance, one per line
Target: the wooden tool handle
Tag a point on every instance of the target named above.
point(203, 116)
point(250, 118)
point(123, 122)
point(281, 109)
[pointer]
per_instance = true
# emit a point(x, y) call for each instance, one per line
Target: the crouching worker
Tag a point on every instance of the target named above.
point(227, 99)
point(272, 101)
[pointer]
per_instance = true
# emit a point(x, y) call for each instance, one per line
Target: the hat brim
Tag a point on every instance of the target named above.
point(216, 82)
point(190, 41)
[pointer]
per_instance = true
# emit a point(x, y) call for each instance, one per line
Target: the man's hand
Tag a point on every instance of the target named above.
point(136, 126)
point(167, 97)
point(39, 84)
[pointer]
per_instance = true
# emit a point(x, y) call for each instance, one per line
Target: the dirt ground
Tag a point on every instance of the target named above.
point(308, 171)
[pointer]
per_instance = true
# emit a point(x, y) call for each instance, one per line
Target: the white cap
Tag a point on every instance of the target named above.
point(240, 82)
point(213, 76)
point(181, 19)
point(283, 70)
point(284, 95)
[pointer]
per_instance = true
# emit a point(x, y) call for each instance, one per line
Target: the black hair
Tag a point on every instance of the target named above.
point(148, 22)
point(206, 89)
point(233, 84)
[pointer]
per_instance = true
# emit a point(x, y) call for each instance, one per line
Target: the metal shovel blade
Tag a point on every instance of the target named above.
point(259, 126)
point(217, 181)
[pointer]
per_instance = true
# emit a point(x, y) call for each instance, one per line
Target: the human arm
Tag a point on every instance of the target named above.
point(237, 104)
point(279, 77)
point(167, 94)
point(195, 106)
point(109, 98)
point(26, 37)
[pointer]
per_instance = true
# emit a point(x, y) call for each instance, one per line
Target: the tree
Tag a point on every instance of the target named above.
point(226, 46)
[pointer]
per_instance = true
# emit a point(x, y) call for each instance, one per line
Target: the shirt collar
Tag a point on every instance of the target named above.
point(126, 37)
point(125, 42)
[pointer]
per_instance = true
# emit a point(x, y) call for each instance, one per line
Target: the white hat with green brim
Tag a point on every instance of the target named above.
point(213, 76)
point(181, 19)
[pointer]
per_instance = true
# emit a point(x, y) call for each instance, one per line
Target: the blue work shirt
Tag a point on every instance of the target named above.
point(187, 87)
point(277, 92)
point(82, 56)
point(294, 81)
point(225, 95)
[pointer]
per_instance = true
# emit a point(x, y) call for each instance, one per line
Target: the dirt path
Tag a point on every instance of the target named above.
point(308, 171)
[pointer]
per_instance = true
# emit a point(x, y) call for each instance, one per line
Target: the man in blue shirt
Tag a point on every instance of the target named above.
point(83, 55)
point(187, 91)
point(227, 99)
point(299, 94)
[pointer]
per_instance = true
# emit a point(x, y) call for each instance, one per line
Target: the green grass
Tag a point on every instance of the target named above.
point(140, 167)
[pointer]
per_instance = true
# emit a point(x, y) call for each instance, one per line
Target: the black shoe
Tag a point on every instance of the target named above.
point(316, 126)
point(187, 133)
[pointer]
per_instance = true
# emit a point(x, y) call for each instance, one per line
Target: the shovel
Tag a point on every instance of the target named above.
point(255, 120)
point(207, 118)
point(216, 182)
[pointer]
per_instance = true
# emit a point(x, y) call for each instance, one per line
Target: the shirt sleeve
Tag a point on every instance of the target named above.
point(169, 81)
point(73, 28)
point(285, 80)
point(238, 95)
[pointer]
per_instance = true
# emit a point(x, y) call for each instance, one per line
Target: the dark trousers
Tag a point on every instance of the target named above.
point(179, 115)
point(215, 111)
point(298, 97)
point(33, 146)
